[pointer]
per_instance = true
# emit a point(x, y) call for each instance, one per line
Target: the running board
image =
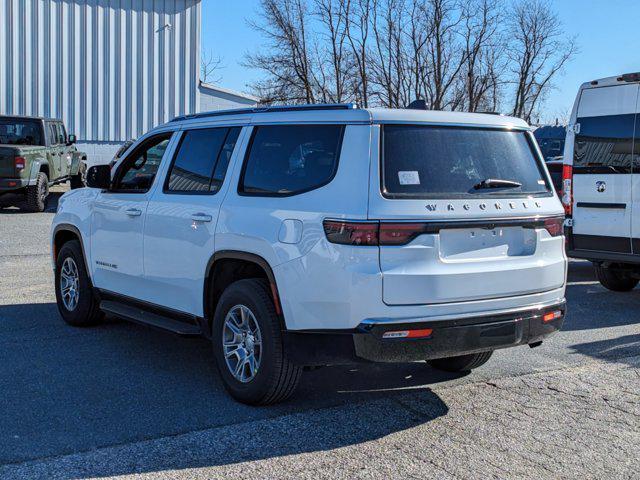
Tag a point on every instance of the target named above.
point(145, 317)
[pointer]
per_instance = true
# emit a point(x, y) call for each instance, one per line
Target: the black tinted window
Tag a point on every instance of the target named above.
point(15, 131)
point(421, 161)
point(138, 170)
point(289, 159)
point(200, 153)
point(604, 144)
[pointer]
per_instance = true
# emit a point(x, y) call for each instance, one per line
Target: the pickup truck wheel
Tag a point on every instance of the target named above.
point(614, 280)
point(247, 345)
point(74, 296)
point(461, 363)
point(37, 194)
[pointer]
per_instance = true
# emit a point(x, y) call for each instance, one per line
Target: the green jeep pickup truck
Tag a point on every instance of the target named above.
point(36, 153)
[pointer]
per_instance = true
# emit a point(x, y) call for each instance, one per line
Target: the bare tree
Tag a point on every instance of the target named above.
point(538, 51)
point(210, 65)
point(358, 23)
point(483, 54)
point(332, 15)
point(288, 61)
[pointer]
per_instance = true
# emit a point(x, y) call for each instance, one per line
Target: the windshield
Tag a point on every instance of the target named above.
point(432, 162)
point(17, 131)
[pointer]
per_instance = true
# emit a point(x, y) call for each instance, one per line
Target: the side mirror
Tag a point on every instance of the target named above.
point(99, 176)
point(71, 140)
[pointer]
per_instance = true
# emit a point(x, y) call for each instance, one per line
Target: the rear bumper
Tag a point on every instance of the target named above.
point(11, 184)
point(448, 338)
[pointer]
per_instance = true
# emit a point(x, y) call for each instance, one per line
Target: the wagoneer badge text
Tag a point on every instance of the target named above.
point(432, 207)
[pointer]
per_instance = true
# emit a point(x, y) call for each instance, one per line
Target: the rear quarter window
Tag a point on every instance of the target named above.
point(286, 160)
point(449, 162)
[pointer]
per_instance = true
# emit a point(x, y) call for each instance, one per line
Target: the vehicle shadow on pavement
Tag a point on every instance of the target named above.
point(591, 306)
point(69, 390)
point(14, 204)
point(618, 350)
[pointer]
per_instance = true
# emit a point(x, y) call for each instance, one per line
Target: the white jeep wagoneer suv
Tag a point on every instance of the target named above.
point(324, 234)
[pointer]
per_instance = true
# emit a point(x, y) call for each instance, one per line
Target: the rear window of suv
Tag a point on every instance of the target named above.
point(452, 162)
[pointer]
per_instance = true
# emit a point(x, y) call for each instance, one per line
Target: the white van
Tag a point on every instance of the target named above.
point(601, 179)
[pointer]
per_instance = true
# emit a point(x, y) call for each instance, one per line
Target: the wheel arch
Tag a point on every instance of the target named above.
point(236, 259)
point(64, 232)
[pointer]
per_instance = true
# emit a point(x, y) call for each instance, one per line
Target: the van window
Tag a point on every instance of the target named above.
point(604, 144)
point(290, 159)
point(199, 155)
point(452, 162)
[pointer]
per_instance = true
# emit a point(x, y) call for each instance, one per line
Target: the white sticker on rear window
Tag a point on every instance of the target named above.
point(409, 177)
point(540, 182)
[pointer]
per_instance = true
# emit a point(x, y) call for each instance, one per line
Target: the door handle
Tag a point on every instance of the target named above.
point(201, 217)
point(133, 212)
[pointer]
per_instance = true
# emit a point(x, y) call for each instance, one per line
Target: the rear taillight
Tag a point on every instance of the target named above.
point(351, 233)
point(400, 233)
point(19, 163)
point(554, 226)
point(372, 233)
point(567, 188)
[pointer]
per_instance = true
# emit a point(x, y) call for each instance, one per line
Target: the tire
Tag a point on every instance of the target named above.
point(462, 363)
point(86, 312)
point(76, 182)
point(615, 280)
point(37, 195)
point(275, 377)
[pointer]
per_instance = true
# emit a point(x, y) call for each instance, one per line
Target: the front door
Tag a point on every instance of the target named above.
point(181, 219)
point(118, 219)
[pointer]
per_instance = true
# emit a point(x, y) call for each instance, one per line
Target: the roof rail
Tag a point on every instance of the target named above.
point(271, 109)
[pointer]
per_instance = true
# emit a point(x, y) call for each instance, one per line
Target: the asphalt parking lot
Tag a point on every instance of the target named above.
point(125, 400)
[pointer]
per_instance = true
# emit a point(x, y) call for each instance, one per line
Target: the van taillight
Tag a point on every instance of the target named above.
point(19, 163)
point(372, 233)
point(567, 188)
point(554, 226)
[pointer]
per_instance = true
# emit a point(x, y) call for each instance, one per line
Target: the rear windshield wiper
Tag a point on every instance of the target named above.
point(496, 183)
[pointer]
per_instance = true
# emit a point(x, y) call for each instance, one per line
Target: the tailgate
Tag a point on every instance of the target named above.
point(465, 214)
point(459, 264)
point(7, 167)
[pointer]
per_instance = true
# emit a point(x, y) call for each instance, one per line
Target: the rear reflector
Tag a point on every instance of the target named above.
point(549, 317)
point(421, 333)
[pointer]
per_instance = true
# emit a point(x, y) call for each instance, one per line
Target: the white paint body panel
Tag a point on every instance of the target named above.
point(604, 98)
point(324, 285)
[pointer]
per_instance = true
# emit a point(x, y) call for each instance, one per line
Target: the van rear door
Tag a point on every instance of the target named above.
point(602, 180)
point(465, 214)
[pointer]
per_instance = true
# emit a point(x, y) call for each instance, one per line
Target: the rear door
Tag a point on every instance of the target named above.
point(602, 180)
point(635, 190)
point(444, 235)
point(181, 219)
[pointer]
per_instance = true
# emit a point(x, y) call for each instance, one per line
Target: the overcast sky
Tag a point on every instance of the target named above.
point(607, 32)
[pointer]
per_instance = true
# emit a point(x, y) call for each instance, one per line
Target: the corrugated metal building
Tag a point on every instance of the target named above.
point(111, 69)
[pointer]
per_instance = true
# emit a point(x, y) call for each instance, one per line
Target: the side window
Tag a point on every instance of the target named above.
point(202, 159)
point(137, 171)
point(52, 134)
point(62, 135)
point(605, 143)
point(290, 159)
